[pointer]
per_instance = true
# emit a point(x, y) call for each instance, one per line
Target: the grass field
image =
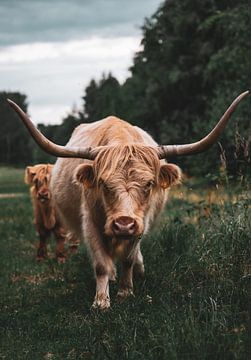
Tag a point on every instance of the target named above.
point(192, 304)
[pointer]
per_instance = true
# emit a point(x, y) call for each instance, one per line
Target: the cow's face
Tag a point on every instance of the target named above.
point(127, 180)
point(39, 176)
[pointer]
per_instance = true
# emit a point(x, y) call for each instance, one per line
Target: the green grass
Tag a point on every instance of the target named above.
point(11, 180)
point(192, 304)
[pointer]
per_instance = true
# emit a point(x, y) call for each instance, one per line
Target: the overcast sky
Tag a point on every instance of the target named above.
point(50, 49)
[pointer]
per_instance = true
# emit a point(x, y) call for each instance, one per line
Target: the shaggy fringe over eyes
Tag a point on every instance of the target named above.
point(42, 171)
point(113, 159)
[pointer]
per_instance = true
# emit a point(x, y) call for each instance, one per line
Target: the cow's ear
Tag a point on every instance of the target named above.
point(170, 174)
point(30, 172)
point(49, 168)
point(84, 175)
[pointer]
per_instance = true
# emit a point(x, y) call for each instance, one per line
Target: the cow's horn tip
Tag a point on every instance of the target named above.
point(245, 93)
point(11, 102)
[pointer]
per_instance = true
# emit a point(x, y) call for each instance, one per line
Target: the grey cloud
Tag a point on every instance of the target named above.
point(29, 21)
point(53, 84)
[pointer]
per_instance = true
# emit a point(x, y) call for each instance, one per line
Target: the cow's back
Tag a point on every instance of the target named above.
point(109, 131)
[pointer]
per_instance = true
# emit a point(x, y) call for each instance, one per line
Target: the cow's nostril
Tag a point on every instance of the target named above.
point(131, 226)
point(43, 194)
point(116, 226)
point(124, 225)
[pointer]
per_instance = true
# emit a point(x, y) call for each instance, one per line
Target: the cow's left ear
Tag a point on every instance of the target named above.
point(169, 175)
point(29, 175)
point(84, 175)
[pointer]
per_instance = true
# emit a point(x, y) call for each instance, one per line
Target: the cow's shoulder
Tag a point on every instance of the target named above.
point(147, 139)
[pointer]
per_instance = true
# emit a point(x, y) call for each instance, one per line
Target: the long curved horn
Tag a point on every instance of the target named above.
point(47, 145)
point(166, 151)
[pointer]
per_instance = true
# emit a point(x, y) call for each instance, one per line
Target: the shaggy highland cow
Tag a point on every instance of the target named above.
point(111, 187)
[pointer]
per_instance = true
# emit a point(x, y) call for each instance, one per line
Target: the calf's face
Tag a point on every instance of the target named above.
point(127, 182)
point(39, 176)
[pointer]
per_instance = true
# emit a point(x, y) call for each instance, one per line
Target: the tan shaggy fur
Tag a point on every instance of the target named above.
point(126, 185)
point(45, 217)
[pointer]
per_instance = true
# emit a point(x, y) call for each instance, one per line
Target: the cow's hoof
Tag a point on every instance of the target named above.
point(61, 259)
point(101, 302)
point(41, 254)
point(73, 249)
point(124, 294)
point(40, 258)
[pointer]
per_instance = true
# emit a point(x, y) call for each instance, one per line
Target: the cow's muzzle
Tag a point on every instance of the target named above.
point(43, 196)
point(124, 226)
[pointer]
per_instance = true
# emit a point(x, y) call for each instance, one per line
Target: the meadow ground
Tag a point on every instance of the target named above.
point(192, 304)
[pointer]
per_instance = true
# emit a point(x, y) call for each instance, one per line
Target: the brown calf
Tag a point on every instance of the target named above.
point(45, 217)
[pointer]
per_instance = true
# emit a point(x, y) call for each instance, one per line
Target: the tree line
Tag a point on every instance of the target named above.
point(195, 58)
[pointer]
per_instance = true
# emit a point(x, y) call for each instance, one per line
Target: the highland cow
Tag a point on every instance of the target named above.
point(111, 187)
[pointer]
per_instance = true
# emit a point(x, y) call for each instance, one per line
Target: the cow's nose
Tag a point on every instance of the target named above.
point(124, 226)
point(43, 194)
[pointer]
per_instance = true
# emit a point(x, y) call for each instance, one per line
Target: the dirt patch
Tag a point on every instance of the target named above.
point(36, 279)
point(208, 197)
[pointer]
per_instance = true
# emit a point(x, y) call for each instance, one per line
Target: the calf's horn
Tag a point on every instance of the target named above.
point(166, 151)
point(47, 145)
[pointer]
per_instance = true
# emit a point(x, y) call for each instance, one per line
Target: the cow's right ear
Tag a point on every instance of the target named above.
point(170, 174)
point(84, 175)
point(29, 175)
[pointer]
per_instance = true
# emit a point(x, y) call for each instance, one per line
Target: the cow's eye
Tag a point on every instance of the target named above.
point(149, 185)
point(101, 183)
point(37, 182)
point(105, 186)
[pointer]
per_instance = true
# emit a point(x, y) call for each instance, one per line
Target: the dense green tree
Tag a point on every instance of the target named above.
point(63, 132)
point(15, 145)
point(102, 98)
point(59, 134)
point(40, 156)
point(195, 58)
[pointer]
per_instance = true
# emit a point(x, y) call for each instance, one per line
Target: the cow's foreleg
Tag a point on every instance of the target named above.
point(126, 283)
point(73, 242)
point(60, 242)
point(138, 267)
point(105, 271)
point(130, 265)
point(102, 263)
point(102, 297)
